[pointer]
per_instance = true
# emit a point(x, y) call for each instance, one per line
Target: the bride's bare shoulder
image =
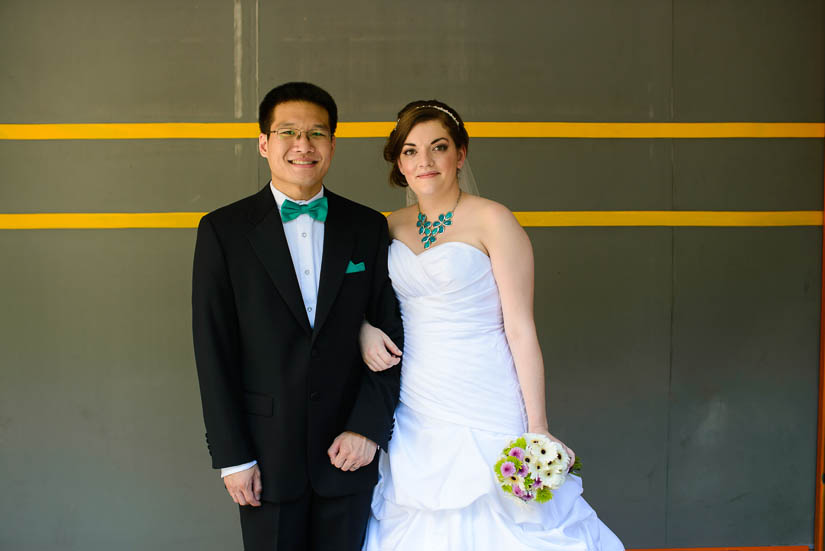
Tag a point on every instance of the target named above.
point(399, 218)
point(488, 210)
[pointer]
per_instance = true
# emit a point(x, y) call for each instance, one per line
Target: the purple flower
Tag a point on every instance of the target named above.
point(518, 492)
point(508, 468)
point(517, 453)
point(523, 469)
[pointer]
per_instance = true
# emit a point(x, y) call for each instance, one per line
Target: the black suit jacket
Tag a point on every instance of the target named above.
point(273, 388)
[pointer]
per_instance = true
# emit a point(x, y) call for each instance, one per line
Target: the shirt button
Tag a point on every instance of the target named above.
point(306, 272)
point(304, 234)
point(309, 309)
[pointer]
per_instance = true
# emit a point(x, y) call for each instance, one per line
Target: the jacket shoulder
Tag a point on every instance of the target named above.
point(239, 211)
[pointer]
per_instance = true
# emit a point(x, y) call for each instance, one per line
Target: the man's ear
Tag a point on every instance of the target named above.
point(263, 145)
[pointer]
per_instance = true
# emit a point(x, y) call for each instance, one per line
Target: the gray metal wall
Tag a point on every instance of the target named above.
point(682, 362)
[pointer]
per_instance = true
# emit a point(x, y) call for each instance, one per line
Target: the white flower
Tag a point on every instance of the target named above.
point(556, 468)
point(565, 459)
point(554, 449)
point(554, 481)
point(557, 454)
point(535, 443)
point(560, 459)
point(534, 438)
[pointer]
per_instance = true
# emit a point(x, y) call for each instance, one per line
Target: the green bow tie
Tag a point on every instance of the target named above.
point(316, 209)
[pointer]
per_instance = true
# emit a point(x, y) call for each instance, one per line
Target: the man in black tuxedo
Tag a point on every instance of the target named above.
point(282, 282)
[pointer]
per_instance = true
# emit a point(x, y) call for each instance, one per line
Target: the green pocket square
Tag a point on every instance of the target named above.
point(352, 268)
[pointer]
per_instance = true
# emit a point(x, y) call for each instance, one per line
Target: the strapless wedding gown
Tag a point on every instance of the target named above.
point(460, 405)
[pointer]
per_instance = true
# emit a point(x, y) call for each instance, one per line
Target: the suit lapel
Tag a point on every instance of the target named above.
point(338, 244)
point(269, 243)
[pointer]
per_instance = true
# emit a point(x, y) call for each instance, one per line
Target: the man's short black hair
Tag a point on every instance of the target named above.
point(296, 91)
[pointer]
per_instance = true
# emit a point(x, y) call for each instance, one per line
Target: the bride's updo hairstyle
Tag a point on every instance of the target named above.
point(412, 114)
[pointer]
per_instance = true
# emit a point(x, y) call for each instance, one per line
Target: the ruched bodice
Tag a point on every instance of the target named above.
point(439, 286)
point(457, 364)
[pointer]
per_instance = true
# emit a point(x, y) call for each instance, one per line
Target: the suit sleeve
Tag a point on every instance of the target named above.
point(372, 415)
point(215, 335)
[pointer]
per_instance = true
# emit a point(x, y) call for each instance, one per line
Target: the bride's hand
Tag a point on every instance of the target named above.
point(377, 349)
point(570, 453)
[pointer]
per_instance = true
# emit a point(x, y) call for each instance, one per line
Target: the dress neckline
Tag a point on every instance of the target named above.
point(431, 249)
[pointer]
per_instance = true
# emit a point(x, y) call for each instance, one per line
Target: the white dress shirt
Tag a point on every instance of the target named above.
point(305, 239)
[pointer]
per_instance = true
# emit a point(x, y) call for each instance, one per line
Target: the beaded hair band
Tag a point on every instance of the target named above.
point(455, 120)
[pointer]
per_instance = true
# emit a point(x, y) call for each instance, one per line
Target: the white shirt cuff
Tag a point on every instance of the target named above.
point(237, 468)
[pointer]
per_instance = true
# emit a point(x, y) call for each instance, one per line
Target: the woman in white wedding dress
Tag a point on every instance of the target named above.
point(472, 374)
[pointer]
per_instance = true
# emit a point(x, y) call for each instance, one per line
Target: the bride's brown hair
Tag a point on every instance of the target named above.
point(414, 113)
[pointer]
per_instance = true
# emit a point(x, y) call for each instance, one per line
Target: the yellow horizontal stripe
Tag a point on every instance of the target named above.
point(247, 130)
point(645, 130)
point(112, 220)
point(669, 218)
point(364, 129)
point(99, 220)
point(128, 131)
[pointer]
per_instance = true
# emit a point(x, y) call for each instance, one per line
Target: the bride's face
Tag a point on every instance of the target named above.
point(429, 159)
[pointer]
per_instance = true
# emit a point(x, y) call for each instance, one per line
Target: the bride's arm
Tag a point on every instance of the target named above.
point(377, 349)
point(511, 255)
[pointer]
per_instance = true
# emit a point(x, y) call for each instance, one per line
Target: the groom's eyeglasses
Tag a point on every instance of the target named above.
point(293, 134)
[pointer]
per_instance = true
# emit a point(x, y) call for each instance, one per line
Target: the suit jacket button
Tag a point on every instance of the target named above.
point(314, 353)
point(315, 396)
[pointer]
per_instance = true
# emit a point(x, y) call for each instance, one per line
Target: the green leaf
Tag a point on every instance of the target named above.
point(544, 495)
point(576, 469)
point(497, 469)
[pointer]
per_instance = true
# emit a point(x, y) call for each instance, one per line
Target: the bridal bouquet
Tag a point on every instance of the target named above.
point(532, 466)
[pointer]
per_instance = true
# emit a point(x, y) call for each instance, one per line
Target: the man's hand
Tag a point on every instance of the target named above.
point(350, 451)
point(245, 487)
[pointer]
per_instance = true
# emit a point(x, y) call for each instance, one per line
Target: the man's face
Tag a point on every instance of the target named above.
point(298, 148)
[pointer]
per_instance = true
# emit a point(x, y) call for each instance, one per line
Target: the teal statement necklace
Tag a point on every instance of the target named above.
point(429, 230)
